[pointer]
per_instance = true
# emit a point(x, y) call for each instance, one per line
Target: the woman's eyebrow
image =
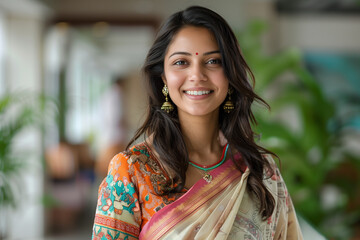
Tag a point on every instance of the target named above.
point(212, 52)
point(180, 53)
point(189, 54)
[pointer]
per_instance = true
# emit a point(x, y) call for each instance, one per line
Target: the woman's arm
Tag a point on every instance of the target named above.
point(118, 213)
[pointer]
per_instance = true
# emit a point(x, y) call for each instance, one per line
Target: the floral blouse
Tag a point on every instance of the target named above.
point(131, 194)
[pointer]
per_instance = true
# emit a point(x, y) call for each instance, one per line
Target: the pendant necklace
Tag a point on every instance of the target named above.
point(206, 168)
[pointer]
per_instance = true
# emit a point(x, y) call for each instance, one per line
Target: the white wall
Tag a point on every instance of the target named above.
point(316, 31)
point(335, 33)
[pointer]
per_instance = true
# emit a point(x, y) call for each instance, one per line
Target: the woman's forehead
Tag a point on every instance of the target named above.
point(193, 40)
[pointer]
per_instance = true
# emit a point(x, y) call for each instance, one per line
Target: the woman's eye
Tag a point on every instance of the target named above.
point(180, 62)
point(214, 61)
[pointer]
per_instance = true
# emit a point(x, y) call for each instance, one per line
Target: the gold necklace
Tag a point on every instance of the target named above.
point(207, 176)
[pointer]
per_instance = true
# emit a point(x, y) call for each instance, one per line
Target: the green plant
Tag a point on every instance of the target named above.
point(299, 130)
point(11, 124)
point(18, 112)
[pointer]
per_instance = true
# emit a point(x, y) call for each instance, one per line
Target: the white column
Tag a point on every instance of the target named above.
point(22, 71)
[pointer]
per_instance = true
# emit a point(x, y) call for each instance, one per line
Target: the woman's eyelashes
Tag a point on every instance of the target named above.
point(212, 61)
point(180, 62)
point(216, 61)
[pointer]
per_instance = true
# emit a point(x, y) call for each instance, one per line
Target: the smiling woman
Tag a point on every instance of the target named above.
point(196, 82)
point(199, 173)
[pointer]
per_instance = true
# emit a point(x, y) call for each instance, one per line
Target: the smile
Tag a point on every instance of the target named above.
point(197, 93)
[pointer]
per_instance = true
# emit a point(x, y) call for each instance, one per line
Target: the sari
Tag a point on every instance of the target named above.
point(221, 209)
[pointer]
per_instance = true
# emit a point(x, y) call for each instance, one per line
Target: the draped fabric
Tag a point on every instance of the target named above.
point(131, 203)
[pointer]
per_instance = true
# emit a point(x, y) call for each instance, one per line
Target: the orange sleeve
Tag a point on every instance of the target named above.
point(118, 214)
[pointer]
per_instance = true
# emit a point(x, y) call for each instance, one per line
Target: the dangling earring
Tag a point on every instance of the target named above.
point(167, 106)
point(229, 105)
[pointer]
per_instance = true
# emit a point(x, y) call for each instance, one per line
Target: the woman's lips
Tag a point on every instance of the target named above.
point(198, 94)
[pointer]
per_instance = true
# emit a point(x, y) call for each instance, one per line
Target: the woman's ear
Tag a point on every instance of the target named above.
point(163, 78)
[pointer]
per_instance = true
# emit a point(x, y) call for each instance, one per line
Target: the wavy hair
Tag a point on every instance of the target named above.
point(167, 139)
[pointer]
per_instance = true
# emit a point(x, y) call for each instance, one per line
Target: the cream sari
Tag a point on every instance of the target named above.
point(223, 209)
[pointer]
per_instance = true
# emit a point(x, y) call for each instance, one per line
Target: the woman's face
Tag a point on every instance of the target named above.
point(194, 73)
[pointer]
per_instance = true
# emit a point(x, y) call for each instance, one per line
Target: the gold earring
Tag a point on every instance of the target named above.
point(167, 106)
point(229, 105)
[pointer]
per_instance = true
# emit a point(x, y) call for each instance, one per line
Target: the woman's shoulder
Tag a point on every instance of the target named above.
point(270, 159)
point(271, 170)
point(136, 158)
point(273, 179)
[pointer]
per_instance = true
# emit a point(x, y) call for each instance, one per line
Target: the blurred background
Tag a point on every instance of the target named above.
point(71, 96)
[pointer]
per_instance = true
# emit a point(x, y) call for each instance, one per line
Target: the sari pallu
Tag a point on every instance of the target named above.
point(223, 209)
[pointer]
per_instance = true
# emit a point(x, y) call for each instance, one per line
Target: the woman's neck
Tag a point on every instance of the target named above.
point(201, 136)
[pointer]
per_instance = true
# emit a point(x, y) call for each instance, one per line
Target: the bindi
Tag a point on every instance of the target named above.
point(197, 53)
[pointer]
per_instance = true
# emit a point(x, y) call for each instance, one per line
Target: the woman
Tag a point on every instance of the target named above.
point(198, 174)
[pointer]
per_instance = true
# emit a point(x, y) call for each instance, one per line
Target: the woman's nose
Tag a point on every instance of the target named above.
point(197, 72)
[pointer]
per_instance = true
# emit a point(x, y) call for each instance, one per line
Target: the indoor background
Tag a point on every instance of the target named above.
point(71, 96)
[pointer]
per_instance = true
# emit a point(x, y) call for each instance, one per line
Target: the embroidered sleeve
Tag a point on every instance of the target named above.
point(117, 212)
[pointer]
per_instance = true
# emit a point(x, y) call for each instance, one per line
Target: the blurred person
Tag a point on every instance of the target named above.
point(113, 135)
point(199, 173)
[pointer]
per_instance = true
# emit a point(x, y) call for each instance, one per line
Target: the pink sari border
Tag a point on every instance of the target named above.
point(194, 199)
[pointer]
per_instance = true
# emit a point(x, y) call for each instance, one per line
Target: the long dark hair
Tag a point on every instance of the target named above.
point(164, 128)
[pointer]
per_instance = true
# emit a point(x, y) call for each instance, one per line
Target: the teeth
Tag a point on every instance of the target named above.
point(197, 93)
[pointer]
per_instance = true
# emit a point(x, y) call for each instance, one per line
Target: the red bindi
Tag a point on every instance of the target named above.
point(197, 53)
